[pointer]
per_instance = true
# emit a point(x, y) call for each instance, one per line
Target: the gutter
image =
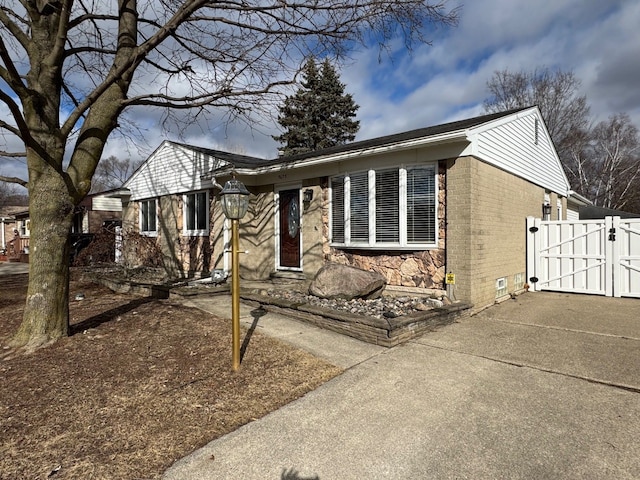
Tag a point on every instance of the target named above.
point(119, 193)
point(579, 199)
point(346, 155)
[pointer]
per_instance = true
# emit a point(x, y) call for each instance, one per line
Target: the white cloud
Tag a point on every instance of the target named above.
point(599, 41)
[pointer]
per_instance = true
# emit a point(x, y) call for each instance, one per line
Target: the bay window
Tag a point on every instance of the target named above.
point(385, 208)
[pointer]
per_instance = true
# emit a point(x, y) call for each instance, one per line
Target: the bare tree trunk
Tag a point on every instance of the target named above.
point(46, 314)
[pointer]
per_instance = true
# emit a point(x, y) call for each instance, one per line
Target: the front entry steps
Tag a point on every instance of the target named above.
point(297, 280)
point(288, 275)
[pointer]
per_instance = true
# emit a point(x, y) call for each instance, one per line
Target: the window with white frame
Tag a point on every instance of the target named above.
point(501, 287)
point(385, 208)
point(24, 227)
point(148, 217)
point(196, 213)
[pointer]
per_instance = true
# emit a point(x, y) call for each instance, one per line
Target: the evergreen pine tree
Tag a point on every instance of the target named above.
point(320, 114)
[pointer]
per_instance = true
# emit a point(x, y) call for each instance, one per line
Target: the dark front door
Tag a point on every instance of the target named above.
point(290, 228)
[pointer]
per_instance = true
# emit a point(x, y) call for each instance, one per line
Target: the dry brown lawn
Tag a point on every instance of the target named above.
point(139, 384)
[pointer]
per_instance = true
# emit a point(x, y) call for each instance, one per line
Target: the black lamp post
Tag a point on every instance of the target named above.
point(234, 198)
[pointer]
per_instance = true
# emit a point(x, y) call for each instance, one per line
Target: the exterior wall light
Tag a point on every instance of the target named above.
point(307, 196)
point(234, 198)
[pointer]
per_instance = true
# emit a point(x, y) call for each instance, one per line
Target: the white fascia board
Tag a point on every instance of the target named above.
point(330, 158)
point(503, 120)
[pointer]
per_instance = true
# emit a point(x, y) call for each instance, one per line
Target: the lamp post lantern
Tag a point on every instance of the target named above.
point(234, 198)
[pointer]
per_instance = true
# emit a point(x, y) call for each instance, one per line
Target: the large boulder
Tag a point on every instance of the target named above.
point(342, 281)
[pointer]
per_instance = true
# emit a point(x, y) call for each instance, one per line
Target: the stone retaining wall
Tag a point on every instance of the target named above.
point(384, 332)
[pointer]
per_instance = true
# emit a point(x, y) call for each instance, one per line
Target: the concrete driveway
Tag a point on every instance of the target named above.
point(590, 337)
point(545, 386)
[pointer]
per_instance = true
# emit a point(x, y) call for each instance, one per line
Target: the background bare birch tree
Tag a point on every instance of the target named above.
point(612, 178)
point(602, 162)
point(69, 69)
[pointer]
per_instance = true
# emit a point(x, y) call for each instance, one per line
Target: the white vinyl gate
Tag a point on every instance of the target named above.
point(587, 256)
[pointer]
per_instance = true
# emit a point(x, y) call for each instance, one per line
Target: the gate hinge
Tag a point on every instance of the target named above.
point(612, 234)
point(533, 279)
point(533, 229)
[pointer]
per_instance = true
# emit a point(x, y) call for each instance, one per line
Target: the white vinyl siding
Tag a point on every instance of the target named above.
point(196, 214)
point(148, 217)
point(106, 204)
point(171, 169)
point(387, 208)
point(573, 215)
point(511, 145)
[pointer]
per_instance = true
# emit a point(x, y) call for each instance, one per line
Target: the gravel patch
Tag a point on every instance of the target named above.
point(382, 307)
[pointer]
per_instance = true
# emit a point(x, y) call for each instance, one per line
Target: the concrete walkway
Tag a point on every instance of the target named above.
point(544, 386)
point(13, 268)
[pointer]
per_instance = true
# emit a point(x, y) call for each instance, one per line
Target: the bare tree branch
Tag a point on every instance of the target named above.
point(9, 73)
point(17, 180)
point(126, 67)
point(10, 128)
point(13, 154)
point(15, 30)
point(23, 130)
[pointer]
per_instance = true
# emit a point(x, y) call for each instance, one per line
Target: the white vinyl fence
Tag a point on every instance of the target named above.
point(600, 257)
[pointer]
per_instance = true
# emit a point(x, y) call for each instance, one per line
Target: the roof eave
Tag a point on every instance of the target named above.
point(449, 137)
point(119, 193)
point(579, 199)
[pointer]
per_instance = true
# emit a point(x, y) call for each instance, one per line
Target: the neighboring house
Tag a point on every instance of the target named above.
point(414, 206)
point(14, 218)
point(94, 212)
point(97, 212)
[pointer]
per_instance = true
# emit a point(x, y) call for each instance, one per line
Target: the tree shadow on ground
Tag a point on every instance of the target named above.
point(294, 475)
point(107, 316)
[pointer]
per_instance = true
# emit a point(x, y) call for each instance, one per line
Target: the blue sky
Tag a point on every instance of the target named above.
point(598, 40)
